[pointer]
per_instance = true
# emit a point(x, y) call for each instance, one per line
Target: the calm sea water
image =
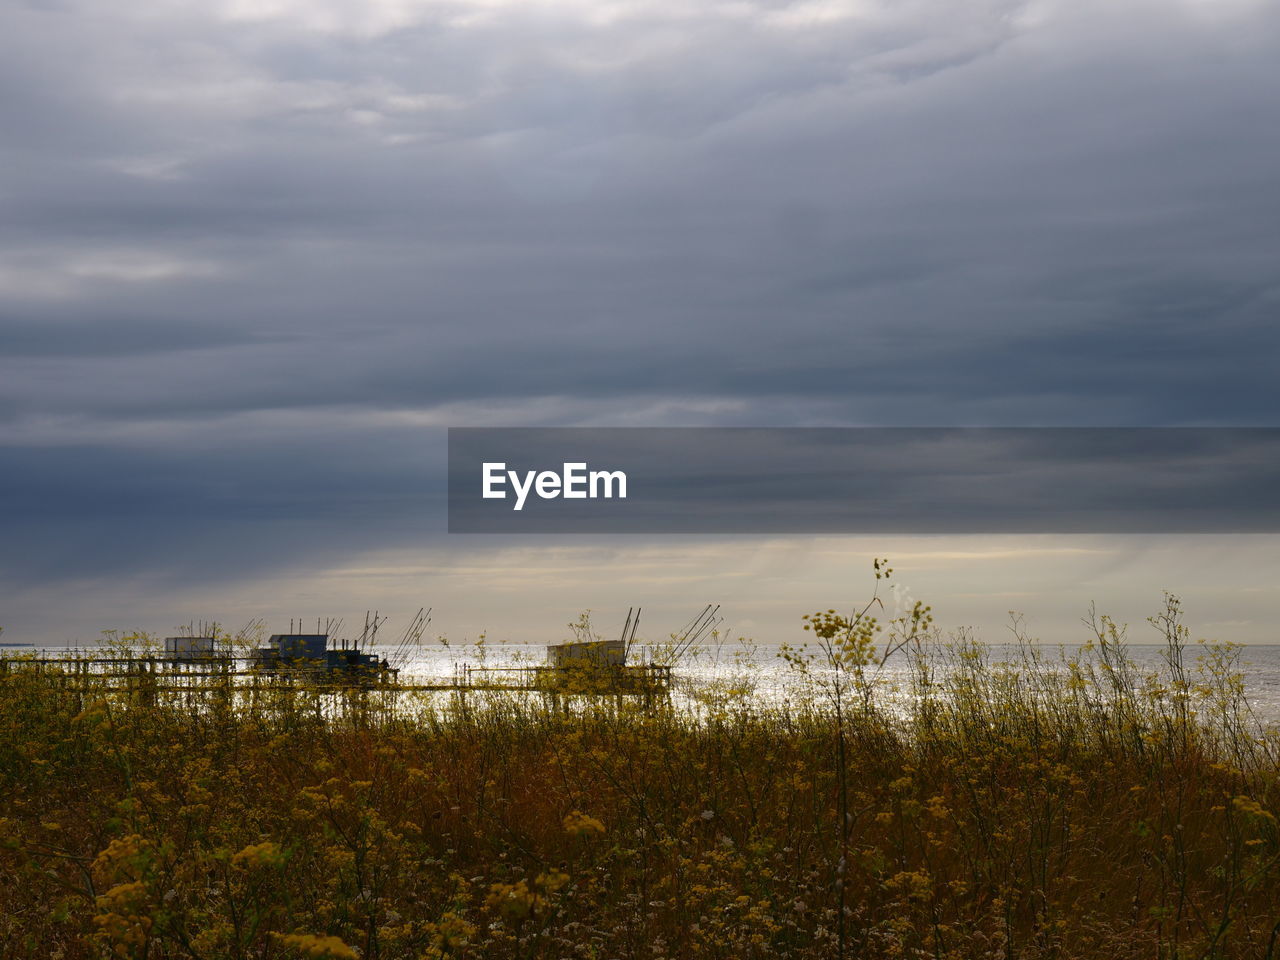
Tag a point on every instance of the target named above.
point(759, 672)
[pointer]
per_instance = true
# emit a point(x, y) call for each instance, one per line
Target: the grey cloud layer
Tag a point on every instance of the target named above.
point(864, 481)
point(769, 213)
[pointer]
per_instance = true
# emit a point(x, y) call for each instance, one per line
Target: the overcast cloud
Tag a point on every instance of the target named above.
point(256, 254)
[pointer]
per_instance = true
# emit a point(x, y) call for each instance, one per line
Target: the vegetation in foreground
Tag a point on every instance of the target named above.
point(1067, 809)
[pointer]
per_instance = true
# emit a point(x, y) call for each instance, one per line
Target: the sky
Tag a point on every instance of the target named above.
point(257, 255)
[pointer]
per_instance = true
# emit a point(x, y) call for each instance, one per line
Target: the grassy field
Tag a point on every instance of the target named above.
point(1067, 810)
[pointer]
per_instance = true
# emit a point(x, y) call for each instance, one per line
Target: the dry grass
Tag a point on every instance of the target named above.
point(1048, 810)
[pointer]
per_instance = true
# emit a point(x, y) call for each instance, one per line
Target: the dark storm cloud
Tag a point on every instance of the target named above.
point(183, 513)
point(232, 228)
point(35, 332)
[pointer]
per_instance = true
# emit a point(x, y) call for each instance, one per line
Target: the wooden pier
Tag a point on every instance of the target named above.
point(150, 676)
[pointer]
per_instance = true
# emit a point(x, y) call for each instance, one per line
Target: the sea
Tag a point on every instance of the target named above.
point(732, 672)
point(742, 673)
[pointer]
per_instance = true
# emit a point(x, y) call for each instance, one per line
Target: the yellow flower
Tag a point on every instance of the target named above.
point(1252, 807)
point(319, 945)
point(552, 880)
point(513, 900)
point(121, 922)
point(451, 932)
point(916, 884)
point(124, 858)
point(265, 854)
point(578, 824)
